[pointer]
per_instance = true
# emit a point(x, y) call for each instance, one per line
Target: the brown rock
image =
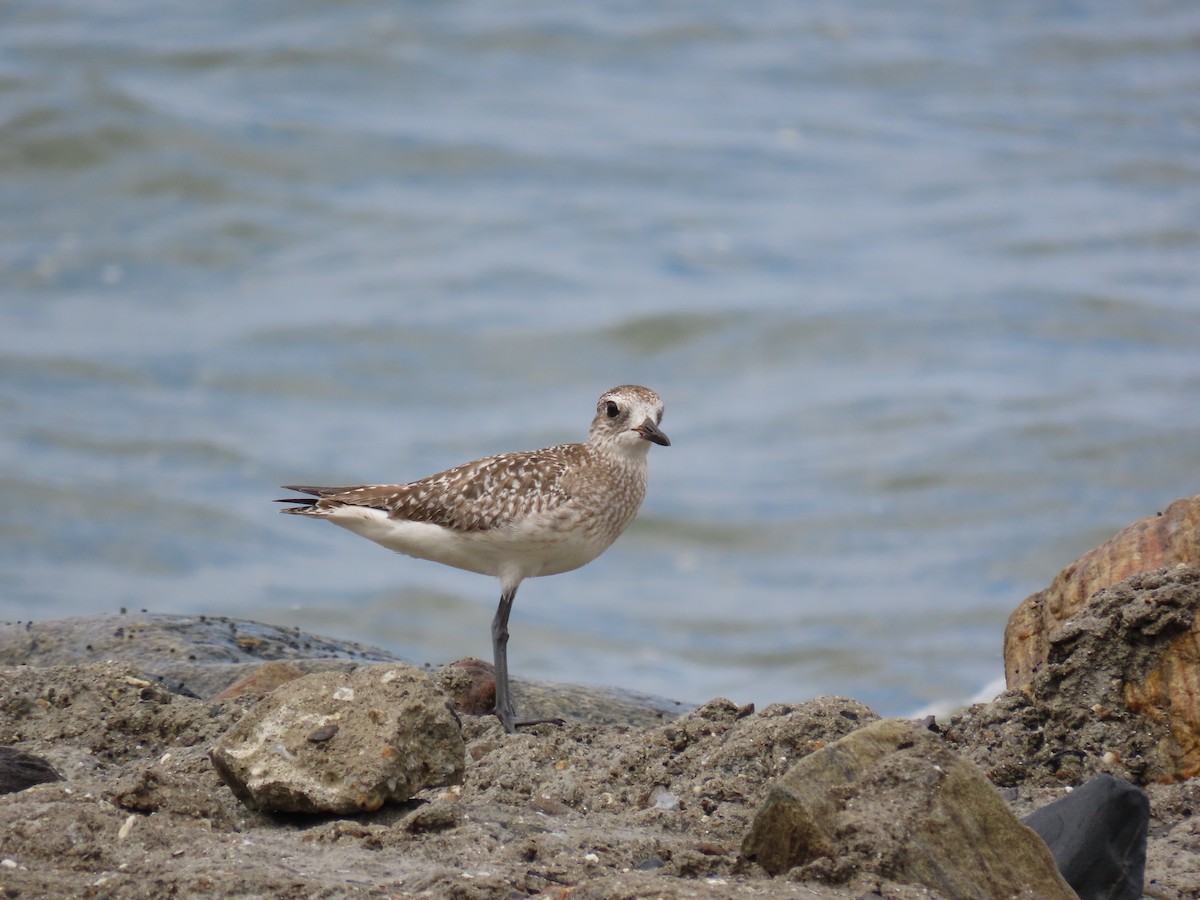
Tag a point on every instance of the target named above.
point(1166, 539)
point(471, 684)
point(893, 801)
point(1169, 694)
point(262, 680)
point(1119, 691)
point(1154, 621)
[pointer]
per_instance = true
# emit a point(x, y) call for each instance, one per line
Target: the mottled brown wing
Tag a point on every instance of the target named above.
point(476, 496)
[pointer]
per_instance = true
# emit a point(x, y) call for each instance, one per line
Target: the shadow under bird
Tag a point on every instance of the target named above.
point(514, 516)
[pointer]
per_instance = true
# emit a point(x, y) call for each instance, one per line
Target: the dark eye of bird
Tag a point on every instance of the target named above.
point(612, 409)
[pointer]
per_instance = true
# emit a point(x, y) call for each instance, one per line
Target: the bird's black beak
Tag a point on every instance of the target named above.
point(653, 433)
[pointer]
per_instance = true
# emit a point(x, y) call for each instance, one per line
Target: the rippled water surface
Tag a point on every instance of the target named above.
point(920, 288)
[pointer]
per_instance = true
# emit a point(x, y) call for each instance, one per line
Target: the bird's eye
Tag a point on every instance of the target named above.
point(612, 409)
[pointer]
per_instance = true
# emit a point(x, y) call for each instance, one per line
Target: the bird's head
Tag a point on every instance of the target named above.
point(627, 418)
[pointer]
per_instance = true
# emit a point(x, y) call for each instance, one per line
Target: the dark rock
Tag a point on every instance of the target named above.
point(395, 736)
point(1097, 835)
point(19, 770)
point(892, 800)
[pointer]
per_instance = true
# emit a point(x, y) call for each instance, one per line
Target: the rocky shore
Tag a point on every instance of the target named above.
point(156, 756)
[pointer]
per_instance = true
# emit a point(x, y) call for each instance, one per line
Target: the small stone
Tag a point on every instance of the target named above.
point(661, 798)
point(471, 683)
point(323, 732)
point(548, 806)
point(437, 816)
point(19, 770)
point(262, 680)
point(127, 827)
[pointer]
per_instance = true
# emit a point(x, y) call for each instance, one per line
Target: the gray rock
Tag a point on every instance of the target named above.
point(1097, 834)
point(194, 655)
point(343, 742)
point(201, 656)
point(893, 801)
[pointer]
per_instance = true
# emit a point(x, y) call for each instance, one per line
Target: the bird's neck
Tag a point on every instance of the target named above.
point(625, 453)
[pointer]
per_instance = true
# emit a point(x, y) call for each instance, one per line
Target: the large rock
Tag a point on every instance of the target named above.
point(196, 655)
point(893, 801)
point(343, 743)
point(1119, 692)
point(1117, 635)
point(218, 657)
point(1169, 538)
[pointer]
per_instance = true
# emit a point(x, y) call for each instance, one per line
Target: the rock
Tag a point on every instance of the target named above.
point(893, 801)
point(1097, 835)
point(262, 680)
point(1166, 539)
point(19, 770)
point(204, 653)
point(203, 656)
point(471, 684)
point(343, 743)
point(436, 816)
point(1119, 691)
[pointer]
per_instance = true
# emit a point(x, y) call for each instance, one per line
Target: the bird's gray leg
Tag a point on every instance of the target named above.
point(504, 705)
point(505, 711)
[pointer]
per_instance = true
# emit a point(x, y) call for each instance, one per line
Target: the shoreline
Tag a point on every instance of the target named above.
point(632, 797)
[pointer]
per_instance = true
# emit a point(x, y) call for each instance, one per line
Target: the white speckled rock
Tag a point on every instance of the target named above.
point(343, 742)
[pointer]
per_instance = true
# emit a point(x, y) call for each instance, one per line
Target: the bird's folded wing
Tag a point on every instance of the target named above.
point(476, 496)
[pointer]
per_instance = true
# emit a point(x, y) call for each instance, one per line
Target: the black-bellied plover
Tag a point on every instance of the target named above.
point(514, 516)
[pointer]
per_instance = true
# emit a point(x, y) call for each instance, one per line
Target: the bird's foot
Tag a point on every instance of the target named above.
point(511, 723)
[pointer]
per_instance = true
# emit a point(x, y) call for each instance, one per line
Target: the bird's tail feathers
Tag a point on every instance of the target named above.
point(304, 505)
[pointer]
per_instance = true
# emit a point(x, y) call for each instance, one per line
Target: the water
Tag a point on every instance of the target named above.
point(919, 287)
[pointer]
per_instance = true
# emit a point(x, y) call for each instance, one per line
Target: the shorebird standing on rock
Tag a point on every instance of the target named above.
point(514, 516)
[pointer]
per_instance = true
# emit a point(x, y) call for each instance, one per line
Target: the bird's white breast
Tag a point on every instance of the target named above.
point(535, 545)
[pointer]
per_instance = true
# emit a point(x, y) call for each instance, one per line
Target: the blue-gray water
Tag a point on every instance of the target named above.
point(919, 284)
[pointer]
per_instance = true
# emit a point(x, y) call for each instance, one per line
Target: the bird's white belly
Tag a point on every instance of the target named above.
point(526, 550)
